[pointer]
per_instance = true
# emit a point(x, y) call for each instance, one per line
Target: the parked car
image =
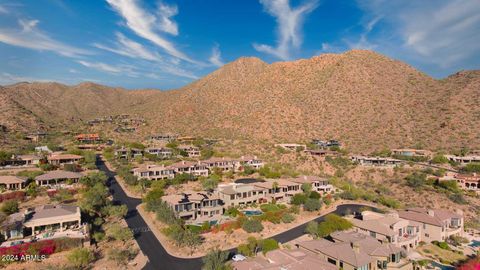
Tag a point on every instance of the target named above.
point(238, 258)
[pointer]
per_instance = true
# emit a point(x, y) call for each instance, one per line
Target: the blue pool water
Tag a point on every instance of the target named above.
point(442, 266)
point(474, 243)
point(252, 212)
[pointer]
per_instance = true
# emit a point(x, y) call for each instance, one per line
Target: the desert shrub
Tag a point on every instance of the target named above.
point(457, 198)
point(450, 185)
point(9, 207)
point(121, 256)
point(215, 260)
point(439, 159)
point(116, 211)
point(314, 195)
point(66, 243)
point(294, 209)
point(298, 199)
point(472, 167)
point(271, 207)
point(252, 225)
point(232, 211)
point(211, 182)
point(416, 179)
point(333, 223)
point(312, 229)
point(268, 245)
point(117, 232)
point(80, 257)
point(287, 218)
point(312, 204)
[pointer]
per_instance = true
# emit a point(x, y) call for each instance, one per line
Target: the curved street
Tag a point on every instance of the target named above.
point(158, 257)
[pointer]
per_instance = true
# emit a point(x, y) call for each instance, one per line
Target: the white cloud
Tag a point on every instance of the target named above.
point(130, 48)
point(145, 24)
point(290, 21)
point(7, 78)
point(115, 70)
point(29, 36)
point(216, 58)
point(3, 10)
point(165, 12)
point(444, 32)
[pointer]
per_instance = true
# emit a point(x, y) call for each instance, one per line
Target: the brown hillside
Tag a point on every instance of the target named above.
point(360, 97)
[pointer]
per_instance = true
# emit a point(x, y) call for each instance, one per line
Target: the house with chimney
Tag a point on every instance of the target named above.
point(435, 224)
point(195, 207)
point(354, 251)
point(222, 163)
point(251, 161)
point(279, 190)
point(236, 194)
point(154, 172)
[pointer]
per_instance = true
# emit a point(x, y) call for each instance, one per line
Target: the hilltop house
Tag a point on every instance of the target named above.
point(192, 151)
point(88, 138)
point(464, 181)
point(292, 146)
point(36, 136)
point(388, 228)
point(326, 143)
point(224, 164)
point(58, 158)
point(57, 179)
point(161, 152)
point(435, 224)
point(45, 221)
point(10, 182)
point(376, 161)
point(465, 159)
point(320, 185)
point(127, 153)
point(190, 167)
point(234, 194)
point(280, 190)
point(163, 137)
point(43, 149)
point(354, 251)
point(412, 153)
point(251, 161)
point(195, 207)
point(22, 161)
point(154, 172)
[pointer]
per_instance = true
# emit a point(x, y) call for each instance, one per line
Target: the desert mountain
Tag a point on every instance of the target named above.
point(363, 98)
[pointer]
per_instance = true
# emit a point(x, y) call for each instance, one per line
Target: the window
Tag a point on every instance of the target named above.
point(427, 235)
point(373, 234)
point(341, 264)
point(332, 261)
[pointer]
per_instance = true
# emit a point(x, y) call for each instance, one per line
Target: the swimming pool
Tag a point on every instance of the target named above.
point(442, 266)
point(474, 243)
point(252, 212)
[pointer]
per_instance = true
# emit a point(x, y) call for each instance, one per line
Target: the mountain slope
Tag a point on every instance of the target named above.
point(360, 97)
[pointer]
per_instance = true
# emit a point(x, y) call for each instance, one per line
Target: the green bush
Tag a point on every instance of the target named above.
point(472, 167)
point(80, 257)
point(312, 229)
point(312, 205)
point(232, 211)
point(457, 198)
point(215, 260)
point(288, 218)
point(9, 207)
point(252, 225)
point(298, 199)
point(416, 179)
point(314, 195)
point(268, 245)
point(439, 159)
point(117, 232)
point(121, 256)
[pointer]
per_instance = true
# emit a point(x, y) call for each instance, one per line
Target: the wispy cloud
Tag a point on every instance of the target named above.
point(444, 32)
point(7, 78)
point(165, 14)
point(3, 10)
point(115, 70)
point(31, 37)
point(130, 48)
point(148, 26)
point(289, 25)
point(216, 58)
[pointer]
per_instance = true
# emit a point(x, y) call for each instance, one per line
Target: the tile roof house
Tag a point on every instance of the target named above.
point(191, 167)
point(294, 259)
point(388, 228)
point(234, 194)
point(376, 161)
point(192, 151)
point(320, 185)
point(58, 178)
point(58, 158)
point(11, 182)
point(464, 159)
point(284, 190)
point(161, 152)
point(435, 224)
point(351, 251)
point(195, 207)
point(154, 172)
point(88, 138)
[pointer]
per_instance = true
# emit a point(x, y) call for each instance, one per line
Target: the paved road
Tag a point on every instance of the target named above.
point(158, 258)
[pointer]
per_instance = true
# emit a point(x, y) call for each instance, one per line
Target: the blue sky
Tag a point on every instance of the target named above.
point(167, 44)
